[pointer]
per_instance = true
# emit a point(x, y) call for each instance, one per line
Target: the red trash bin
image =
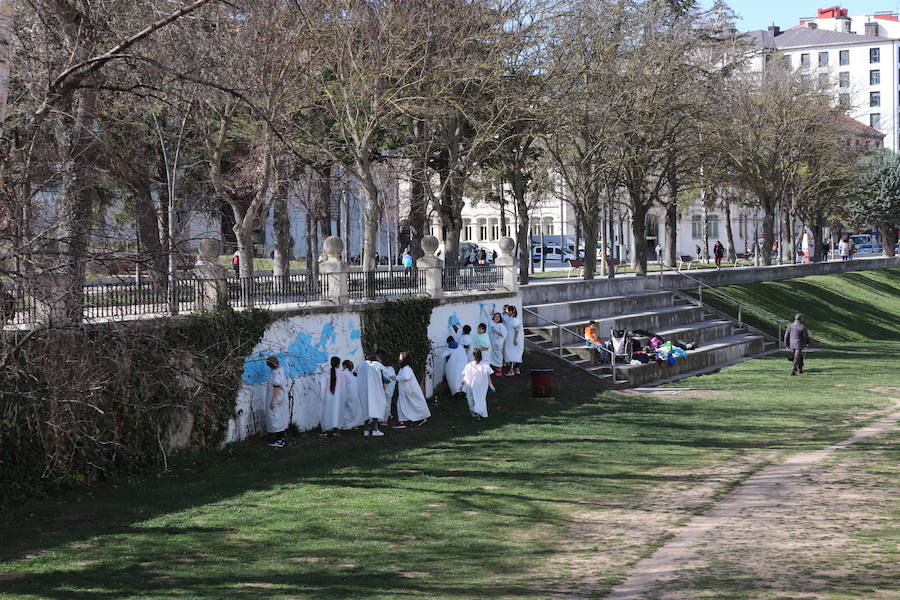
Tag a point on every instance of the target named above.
point(541, 384)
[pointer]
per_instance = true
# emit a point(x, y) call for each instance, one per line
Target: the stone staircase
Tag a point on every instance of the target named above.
point(557, 328)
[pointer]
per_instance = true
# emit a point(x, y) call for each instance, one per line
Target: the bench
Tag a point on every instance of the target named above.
point(686, 260)
point(615, 263)
point(745, 259)
point(576, 268)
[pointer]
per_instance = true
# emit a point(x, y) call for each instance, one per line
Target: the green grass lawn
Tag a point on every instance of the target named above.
point(456, 510)
point(850, 307)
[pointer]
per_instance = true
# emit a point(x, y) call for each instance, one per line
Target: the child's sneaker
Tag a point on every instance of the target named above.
point(399, 425)
point(377, 433)
point(366, 433)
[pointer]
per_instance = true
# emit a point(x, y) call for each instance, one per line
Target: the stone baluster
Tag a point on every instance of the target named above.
point(211, 276)
point(509, 264)
point(431, 267)
point(334, 270)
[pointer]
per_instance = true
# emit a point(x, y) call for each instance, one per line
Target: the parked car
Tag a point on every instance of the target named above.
point(551, 253)
point(869, 250)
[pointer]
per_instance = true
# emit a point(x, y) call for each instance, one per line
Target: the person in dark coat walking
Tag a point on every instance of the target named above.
point(796, 338)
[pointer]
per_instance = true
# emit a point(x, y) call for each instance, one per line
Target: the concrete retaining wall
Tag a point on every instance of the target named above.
point(571, 289)
point(739, 275)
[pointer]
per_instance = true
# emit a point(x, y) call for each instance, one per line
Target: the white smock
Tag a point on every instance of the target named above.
point(456, 362)
point(512, 351)
point(332, 407)
point(411, 405)
point(277, 418)
point(466, 342)
point(389, 388)
point(354, 414)
point(371, 388)
point(497, 333)
point(476, 378)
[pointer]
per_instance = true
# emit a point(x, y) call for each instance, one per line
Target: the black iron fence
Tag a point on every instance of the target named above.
point(132, 298)
point(483, 278)
point(268, 290)
point(368, 285)
point(16, 306)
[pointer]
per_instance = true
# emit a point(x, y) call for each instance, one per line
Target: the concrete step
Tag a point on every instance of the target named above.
point(595, 308)
point(660, 319)
point(721, 351)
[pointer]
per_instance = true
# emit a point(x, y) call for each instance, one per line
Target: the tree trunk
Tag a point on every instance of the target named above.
point(519, 189)
point(370, 225)
point(729, 231)
point(418, 209)
point(311, 260)
point(638, 232)
point(768, 235)
point(888, 238)
point(148, 229)
point(7, 12)
point(282, 233)
point(77, 150)
point(671, 234)
point(705, 226)
point(591, 234)
point(816, 227)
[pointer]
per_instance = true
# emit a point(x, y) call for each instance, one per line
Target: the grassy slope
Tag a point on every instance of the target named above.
point(851, 307)
point(458, 510)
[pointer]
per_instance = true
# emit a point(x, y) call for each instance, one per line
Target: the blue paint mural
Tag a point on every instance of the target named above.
point(304, 356)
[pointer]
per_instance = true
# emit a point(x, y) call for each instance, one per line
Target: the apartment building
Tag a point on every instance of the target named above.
point(858, 55)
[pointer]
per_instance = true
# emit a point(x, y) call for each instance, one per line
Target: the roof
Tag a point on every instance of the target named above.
point(804, 36)
point(859, 128)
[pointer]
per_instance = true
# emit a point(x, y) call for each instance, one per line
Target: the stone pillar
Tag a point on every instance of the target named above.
point(509, 264)
point(211, 276)
point(431, 267)
point(334, 271)
point(48, 293)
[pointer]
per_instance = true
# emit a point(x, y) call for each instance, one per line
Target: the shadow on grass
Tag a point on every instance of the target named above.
point(531, 467)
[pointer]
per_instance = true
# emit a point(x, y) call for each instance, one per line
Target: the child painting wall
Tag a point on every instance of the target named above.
point(304, 346)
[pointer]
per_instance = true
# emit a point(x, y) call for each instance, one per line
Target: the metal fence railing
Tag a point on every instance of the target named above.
point(367, 285)
point(471, 278)
point(16, 306)
point(131, 298)
point(268, 290)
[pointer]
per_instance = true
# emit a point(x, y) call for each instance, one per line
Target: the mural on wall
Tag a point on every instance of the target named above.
point(303, 346)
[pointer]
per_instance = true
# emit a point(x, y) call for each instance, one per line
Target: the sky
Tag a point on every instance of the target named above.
point(759, 14)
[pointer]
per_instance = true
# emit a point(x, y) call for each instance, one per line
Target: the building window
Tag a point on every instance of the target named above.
point(844, 57)
point(844, 100)
point(823, 59)
point(548, 225)
point(874, 55)
point(535, 227)
point(823, 79)
point(875, 120)
point(712, 225)
point(874, 77)
point(804, 60)
point(696, 227)
point(786, 58)
point(844, 79)
point(874, 98)
point(495, 229)
point(467, 230)
point(482, 230)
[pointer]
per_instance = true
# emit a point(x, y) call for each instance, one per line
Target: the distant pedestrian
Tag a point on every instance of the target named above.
point(796, 338)
point(236, 263)
point(407, 260)
point(844, 249)
point(659, 254)
point(719, 254)
point(699, 253)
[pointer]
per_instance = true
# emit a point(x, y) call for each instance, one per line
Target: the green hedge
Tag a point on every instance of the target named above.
point(400, 326)
point(83, 404)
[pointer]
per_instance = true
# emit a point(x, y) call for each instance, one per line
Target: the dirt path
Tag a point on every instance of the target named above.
point(775, 500)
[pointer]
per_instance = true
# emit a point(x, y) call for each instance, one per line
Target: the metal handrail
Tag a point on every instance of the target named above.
point(560, 328)
point(740, 303)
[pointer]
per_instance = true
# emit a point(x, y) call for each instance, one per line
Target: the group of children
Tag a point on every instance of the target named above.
point(362, 395)
point(351, 397)
point(471, 358)
point(622, 345)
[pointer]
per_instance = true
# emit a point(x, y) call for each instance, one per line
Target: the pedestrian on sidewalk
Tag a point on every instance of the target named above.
point(796, 338)
point(719, 254)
